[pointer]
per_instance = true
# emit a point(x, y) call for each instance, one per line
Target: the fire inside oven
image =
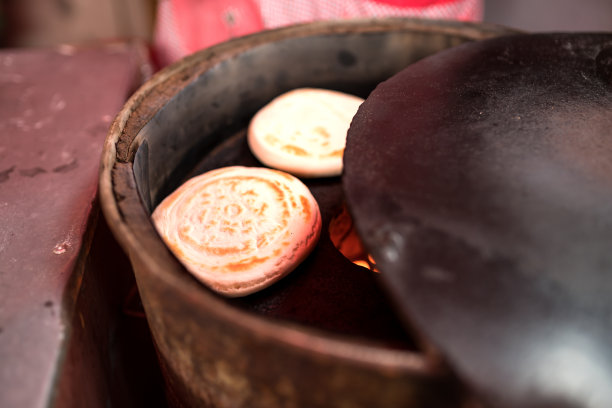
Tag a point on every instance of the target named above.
point(339, 329)
point(331, 290)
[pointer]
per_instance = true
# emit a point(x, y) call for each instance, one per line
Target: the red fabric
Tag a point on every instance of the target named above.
point(207, 22)
point(411, 3)
point(185, 26)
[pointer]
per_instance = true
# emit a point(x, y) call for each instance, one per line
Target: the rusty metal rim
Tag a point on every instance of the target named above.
point(133, 229)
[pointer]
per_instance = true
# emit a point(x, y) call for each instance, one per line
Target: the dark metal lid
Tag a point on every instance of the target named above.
point(481, 181)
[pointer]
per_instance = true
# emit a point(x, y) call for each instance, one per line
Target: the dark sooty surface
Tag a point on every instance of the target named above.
point(326, 291)
point(490, 211)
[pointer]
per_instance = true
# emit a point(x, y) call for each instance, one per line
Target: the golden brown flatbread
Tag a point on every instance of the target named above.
point(303, 132)
point(239, 229)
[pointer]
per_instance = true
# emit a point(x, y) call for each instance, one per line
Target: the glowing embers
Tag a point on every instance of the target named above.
point(344, 236)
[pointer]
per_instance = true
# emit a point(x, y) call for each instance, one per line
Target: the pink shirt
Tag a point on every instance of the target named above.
point(185, 26)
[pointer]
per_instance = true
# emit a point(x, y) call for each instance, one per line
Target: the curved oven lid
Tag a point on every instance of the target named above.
point(480, 179)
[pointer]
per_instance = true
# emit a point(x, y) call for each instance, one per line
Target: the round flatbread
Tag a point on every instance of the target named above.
point(239, 229)
point(303, 131)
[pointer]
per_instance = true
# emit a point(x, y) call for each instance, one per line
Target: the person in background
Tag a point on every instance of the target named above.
point(186, 26)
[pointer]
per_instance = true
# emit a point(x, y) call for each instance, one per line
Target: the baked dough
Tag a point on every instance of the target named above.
point(239, 229)
point(303, 131)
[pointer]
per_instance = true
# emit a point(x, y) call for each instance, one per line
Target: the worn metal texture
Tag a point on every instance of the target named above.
point(109, 359)
point(490, 211)
point(56, 106)
point(222, 353)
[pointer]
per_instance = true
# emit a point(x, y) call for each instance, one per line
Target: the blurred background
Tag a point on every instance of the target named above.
point(35, 23)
